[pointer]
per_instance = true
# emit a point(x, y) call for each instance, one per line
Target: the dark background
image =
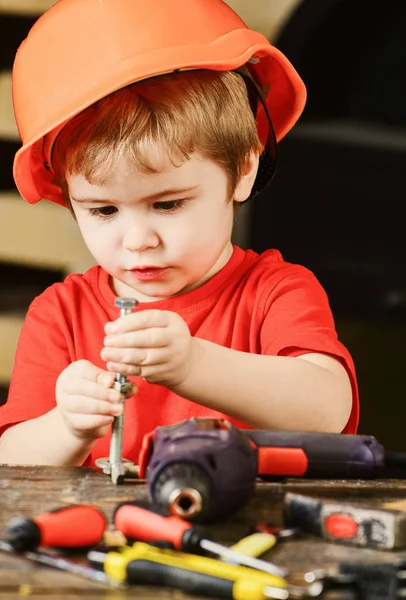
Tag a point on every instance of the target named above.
point(336, 204)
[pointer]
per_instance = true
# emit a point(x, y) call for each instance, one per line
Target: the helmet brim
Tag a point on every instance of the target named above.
point(285, 97)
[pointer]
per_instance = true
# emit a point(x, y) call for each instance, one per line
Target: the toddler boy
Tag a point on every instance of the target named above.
point(152, 122)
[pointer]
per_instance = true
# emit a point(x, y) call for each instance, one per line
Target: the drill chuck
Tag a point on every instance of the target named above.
point(185, 502)
point(183, 490)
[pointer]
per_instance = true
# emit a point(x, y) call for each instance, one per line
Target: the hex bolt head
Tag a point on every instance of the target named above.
point(125, 305)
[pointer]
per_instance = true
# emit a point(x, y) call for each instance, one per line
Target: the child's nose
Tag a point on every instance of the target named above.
point(139, 236)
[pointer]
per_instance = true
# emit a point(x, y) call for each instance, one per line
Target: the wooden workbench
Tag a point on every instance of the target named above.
point(30, 491)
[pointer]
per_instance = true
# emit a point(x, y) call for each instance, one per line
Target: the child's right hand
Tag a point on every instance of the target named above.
point(86, 401)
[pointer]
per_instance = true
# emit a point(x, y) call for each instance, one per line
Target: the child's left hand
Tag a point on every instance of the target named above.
point(153, 344)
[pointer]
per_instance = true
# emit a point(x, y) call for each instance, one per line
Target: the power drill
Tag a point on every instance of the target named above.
point(200, 469)
point(205, 469)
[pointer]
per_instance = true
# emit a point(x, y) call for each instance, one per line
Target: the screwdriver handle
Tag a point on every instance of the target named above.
point(152, 573)
point(68, 527)
point(255, 544)
point(144, 525)
point(115, 564)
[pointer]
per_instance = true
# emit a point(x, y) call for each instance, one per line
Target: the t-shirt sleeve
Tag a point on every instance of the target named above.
point(298, 320)
point(42, 354)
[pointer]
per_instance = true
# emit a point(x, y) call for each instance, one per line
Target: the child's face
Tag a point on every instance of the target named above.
point(158, 234)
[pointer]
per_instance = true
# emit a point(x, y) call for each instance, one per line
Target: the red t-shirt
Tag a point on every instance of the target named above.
point(256, 303)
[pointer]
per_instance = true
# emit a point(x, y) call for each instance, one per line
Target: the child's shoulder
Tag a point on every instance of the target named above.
point(267, 277)
point(270, 265)
point(260, 278)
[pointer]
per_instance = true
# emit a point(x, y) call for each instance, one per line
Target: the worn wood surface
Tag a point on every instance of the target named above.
point(30, 491)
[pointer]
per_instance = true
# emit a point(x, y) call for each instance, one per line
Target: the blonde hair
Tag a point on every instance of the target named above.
point(192, 111)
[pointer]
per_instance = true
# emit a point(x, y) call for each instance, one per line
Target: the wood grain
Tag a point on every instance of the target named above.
point(31, 491)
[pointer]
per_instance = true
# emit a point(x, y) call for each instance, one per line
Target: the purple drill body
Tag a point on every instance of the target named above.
point(201, 469)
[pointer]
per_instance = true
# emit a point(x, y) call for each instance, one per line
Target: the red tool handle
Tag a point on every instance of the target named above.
point(72, 526)
point(68, 527)
point(146, 526)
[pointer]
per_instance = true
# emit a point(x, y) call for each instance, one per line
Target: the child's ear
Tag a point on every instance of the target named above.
point(244, 186)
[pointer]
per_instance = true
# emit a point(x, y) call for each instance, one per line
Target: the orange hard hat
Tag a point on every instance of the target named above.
point(79, 51)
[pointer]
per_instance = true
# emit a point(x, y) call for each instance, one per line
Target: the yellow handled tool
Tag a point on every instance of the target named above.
point(149, 565)
point(116, 562)
point(260, 542)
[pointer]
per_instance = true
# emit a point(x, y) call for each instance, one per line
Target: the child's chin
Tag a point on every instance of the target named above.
point(154, 293)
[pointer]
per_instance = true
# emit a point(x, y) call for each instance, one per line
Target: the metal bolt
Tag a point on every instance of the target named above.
point(125, 305)
point(115, 465)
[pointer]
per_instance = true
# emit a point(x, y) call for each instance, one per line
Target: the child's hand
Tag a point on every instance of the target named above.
point(153, 344)
point(86, 400)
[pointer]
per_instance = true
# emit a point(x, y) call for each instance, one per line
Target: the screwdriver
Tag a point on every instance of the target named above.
point(149, 565)
point(62, 564)
point(198, 563)
point(75, 526)
point(262, 540)
point(142, 524)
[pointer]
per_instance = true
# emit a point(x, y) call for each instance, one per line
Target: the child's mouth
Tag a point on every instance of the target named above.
point(148, 273)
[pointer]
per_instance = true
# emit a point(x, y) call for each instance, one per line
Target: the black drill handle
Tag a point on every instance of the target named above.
point(317, 455)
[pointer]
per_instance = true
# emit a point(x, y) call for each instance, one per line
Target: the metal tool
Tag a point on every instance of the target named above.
point(117, 466)
point(144, 525)
point(63, 564)
point(149, 565)
point(368, 580)
point(373, 524)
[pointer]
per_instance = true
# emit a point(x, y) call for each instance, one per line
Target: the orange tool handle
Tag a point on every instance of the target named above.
point(142, 524)
point(68, 527)
point(73, 526)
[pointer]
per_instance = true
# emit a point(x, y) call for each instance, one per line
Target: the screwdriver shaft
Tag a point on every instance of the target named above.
point(63, 564)
point(241, 559)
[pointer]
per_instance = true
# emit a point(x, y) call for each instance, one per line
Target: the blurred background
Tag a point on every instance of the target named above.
point(335, 206)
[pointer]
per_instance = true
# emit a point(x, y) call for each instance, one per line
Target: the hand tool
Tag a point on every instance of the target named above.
point(373, 524)
point(202, 469)
point(76, 526)
point(144, 525)
point(63, 564)
point(67, 527)
point(117, 466)
point(260, 542)
point(378, 581)
point(149, 565)
point(364, 580)
point(340, 586)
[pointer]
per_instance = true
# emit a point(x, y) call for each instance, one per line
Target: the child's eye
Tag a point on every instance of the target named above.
point(169, 206)
point(103, 211)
